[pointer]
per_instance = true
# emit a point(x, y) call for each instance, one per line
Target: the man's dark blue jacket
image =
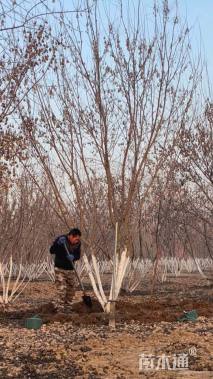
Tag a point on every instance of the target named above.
point(61, 256)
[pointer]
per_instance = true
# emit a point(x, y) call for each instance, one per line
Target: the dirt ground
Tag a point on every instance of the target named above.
point(79, 343)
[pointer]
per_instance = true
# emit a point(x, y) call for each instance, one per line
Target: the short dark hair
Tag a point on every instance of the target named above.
point(74, 232)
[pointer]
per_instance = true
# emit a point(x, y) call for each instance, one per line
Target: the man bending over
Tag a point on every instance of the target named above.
point(67, 249)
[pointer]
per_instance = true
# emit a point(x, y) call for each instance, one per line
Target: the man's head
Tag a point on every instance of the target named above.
point(74, 236)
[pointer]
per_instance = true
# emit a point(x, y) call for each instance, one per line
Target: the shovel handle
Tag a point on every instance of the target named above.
point(79, 280)
point(76, 273)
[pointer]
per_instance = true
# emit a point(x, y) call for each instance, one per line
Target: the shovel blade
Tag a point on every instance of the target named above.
point(87, 300)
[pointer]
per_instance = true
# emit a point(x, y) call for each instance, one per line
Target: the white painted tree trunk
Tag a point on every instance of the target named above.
point(120, 266)
point(18, 285)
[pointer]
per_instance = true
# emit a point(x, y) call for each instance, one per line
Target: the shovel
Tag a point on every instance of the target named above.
point(86, 298)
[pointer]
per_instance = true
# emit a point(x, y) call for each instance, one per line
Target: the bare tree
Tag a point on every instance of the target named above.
point(197, 150)
point(117, 104)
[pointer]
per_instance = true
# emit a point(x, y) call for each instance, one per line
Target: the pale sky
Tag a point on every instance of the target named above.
point(199, 14)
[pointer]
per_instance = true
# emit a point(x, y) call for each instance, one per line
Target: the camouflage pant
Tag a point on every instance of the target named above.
point(65, 283)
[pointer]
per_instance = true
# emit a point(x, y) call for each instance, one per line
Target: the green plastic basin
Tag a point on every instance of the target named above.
point(34, 322)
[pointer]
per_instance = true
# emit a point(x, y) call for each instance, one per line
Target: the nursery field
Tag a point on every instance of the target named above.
point(106, 124)
point(79, 343)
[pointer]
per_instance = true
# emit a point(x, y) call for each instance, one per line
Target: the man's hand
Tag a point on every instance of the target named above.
point(62, 240)
point(70, 257)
